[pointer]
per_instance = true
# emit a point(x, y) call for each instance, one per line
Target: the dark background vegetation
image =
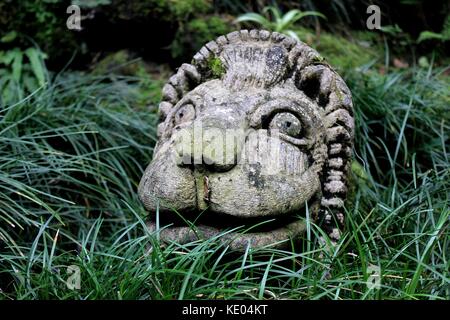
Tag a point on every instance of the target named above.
point(170, 31)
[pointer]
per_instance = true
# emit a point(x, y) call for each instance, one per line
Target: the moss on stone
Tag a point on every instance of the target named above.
point(216, 67)
point(319, 59)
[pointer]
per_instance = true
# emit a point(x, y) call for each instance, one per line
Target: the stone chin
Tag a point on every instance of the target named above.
point(292, 125)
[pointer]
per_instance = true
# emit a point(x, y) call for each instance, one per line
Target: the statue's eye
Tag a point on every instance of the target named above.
point(185, 113)
point(286, 123)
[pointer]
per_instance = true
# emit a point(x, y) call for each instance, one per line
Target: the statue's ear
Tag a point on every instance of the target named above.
point(186, 78)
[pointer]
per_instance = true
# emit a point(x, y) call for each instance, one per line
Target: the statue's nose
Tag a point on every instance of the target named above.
point(213, 148)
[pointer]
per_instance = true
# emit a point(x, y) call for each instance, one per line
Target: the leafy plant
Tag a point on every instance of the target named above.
point(21, 72)
point(273, 19)
point(444, 35)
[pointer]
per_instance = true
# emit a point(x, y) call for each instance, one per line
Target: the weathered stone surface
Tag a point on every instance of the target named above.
point(259, 127)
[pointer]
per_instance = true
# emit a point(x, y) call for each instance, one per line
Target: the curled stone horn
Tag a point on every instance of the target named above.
point(270, 59)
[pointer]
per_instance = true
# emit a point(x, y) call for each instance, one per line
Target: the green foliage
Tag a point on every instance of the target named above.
point(42, 21)
point(272, 19)
point(342, 53)
point(91, 3)
point(174, 11)
point(73, 148)
point(119, 62)
point(45, 21)
point(403, 123)
point(216, 67)
point(196, 33)
point(21, 73)
point(72, 154)
point(146, 89)
point(444, 35)
point(397, 40)
point(184, 8)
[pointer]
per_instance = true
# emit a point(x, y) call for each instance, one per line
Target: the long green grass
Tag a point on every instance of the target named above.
point(72, 154)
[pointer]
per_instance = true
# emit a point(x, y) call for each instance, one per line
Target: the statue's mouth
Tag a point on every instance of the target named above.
point(237, 232)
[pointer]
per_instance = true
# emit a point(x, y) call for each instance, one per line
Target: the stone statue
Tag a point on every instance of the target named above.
point(255, 133)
